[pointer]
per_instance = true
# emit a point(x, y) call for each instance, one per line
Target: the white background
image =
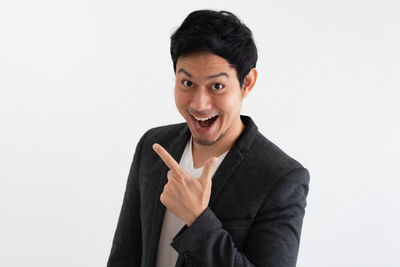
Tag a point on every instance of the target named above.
point(82, 80)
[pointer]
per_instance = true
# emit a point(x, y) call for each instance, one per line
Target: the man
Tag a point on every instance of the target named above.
point(212, 191)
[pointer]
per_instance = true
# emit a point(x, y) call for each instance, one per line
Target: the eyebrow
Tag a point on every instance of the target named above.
point(209, 77)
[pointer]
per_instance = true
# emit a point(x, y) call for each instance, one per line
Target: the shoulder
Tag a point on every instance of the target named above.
point(270, 165)
point(171, 137)
point(163, 134)
point(260, 152)
point(272, 156)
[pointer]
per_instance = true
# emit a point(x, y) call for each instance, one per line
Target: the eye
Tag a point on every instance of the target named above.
point(187, 83)
point(217, 86)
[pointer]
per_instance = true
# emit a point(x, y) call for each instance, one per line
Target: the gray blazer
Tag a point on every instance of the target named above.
point(255, 212)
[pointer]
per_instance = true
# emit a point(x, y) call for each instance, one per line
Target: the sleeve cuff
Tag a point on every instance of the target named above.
point(189, 238)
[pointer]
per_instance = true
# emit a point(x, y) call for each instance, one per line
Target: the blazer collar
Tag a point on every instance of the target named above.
point(246, 138)
point(175, 149)
point(233, 158)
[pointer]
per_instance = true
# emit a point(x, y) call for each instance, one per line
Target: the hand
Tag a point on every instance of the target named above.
point(186, 197)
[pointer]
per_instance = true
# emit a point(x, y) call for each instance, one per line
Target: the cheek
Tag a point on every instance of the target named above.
point(180, 98)
point(229, 103)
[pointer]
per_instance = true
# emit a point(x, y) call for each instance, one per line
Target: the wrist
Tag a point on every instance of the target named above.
point(189, 221)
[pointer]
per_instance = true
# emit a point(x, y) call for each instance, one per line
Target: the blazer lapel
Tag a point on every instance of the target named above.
point(175, 149)
point(224, 171)
point(233, 158)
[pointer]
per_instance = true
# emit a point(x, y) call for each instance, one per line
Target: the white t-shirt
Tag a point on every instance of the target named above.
point(166, 255)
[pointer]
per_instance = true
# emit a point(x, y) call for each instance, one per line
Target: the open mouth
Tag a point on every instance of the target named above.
point(205, 123)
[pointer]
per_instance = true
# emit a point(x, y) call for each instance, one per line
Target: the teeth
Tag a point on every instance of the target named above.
point(203, 119)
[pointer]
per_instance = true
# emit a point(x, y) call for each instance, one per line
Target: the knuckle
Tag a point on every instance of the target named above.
point(164, 198)
point(171, 174)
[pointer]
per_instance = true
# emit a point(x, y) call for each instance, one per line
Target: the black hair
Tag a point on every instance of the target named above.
point(221, 33)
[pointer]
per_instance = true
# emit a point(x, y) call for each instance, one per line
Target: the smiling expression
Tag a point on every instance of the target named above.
point(209, 97)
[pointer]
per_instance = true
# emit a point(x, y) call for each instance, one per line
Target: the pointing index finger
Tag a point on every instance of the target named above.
point(167, 158)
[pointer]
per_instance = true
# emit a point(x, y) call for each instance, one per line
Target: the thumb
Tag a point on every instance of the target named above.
point(208, 168)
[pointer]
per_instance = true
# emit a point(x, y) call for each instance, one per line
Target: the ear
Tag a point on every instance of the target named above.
point(248, 82)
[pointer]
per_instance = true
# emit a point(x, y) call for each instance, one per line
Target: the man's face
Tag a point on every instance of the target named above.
point(208, 96)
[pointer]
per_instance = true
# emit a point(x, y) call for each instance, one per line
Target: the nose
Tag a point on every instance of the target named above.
point(201, 100)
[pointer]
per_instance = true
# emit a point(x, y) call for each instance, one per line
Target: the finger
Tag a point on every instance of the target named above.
point(208, 168)
point(168, 159)
point(172, 175)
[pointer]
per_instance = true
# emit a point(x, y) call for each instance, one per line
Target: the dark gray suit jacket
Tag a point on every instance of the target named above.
point(254, 216)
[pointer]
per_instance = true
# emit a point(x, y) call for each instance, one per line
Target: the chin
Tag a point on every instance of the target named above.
point(204, 142)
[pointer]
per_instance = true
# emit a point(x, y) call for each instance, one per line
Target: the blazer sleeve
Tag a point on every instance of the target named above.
point(272, 240)
point(127, 243)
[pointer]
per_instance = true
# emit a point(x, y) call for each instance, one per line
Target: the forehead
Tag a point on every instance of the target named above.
point(202, 64)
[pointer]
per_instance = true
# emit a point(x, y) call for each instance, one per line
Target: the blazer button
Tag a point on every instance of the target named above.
point(192, 261)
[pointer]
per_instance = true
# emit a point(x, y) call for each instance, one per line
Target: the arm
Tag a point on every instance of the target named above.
point(272, 240)
point(127, 244)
